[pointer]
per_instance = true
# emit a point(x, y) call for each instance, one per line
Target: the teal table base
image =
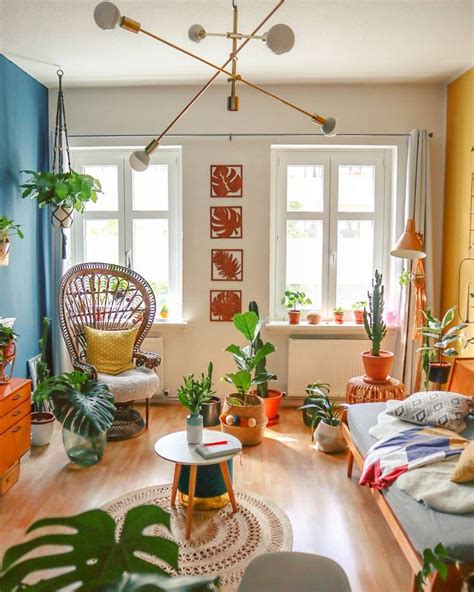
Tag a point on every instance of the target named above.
point(211, 491)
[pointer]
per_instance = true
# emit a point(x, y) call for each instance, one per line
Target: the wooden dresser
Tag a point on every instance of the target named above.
point(15, 429)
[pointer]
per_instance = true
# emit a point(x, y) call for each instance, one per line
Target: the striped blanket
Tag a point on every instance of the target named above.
point(396, 454)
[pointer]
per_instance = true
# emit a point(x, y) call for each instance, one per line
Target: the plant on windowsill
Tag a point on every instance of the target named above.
point(338, 315)
point(8, 228)
point(192, 395)
point(325, 418)
point(243, 414)
point(444, 337)
point(377, 362)
point(64, 193)
point(100, 556)
point(85, 408)
point(293, 300)
point(358, 310)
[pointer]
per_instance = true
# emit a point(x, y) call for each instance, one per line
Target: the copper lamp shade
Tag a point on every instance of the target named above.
point(409, 244)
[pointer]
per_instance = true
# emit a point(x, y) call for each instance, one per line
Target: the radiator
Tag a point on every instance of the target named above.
point(156, 344)
point(328, 360)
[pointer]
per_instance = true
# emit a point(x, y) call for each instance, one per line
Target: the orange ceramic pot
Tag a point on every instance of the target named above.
point(359, 317)
point(313, 318)
point(294, 317)
point(339, 317)
point(271, 403)
point(377, 368)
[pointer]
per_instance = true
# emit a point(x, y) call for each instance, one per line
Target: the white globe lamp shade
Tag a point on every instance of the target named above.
point(280, 39)
point(196, 33)
point(329, 127)
point(106, 15)
point(139, 160)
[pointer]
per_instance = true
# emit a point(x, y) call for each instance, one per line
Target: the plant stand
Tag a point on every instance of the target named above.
point(360, 390)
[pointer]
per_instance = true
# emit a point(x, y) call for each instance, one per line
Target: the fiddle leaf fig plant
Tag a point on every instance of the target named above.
point(8, 228)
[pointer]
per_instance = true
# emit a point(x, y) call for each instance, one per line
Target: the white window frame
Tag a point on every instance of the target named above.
point(330, 158)
point(170, 156)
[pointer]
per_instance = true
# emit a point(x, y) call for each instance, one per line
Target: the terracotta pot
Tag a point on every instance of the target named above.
point(329, 438)
point(271, 403)
point(439, 372)
point(359, 317)
point(4, 253)
point(62, 217)
point(339, 317)
point(377, 367)
point(249, 436)
point(313, 318)
point(42, 428)
point(294, 317)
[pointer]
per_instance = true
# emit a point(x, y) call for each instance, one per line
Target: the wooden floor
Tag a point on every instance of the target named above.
point(331, 514)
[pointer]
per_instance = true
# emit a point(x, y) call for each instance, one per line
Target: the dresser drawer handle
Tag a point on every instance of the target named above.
point(17, 429)
point(15, 413)
point(16, 397)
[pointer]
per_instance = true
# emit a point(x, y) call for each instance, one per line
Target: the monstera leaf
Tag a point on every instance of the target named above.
point(93, 553)
point(225, 304)
point(226, 222)
point(225, 181)
point(148, 582)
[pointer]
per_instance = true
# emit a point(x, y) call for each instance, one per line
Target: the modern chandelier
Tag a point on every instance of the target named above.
point(279, 39)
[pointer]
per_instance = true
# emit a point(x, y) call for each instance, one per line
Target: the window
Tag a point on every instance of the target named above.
point(137, 219)
point(328, 224)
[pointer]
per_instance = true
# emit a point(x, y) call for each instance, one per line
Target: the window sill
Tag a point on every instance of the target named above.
point(160, 324)
point(323, 328)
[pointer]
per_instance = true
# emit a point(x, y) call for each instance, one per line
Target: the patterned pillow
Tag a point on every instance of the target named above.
point(111, 352)
point(437, 408)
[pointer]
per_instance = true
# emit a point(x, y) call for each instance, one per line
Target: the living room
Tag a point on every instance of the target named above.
point(218, 224)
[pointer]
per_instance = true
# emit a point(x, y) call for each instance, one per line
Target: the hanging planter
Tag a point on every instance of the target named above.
point(62, 189)
point(7, 229)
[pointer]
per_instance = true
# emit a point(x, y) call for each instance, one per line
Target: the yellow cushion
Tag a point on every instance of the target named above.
point(111, 352)
point(464, 469)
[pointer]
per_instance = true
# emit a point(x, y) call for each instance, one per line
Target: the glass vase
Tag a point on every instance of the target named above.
point(84, 451)
point(194, 425)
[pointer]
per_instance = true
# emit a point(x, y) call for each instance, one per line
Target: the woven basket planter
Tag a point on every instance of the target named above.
point(4, 253)
point(247, 435)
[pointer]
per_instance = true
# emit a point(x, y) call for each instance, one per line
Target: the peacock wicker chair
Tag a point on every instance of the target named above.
point(110, 298)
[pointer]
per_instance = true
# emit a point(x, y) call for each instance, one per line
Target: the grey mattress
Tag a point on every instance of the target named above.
point(425, 527)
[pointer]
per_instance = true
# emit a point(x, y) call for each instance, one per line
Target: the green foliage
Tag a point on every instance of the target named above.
point(440, 337)
point(82, 405)
point(93, 548)
point(338, 310)
point(250, 358)
point(359, 305)
point(6, 335)
point(8, 228)
point(373, 318)
point(261, 367)
point(42, 369)
point(157, 583)
point(68, 190)
point(322, 409)
point(434, 560)
point(196, 391)
point(293, 299)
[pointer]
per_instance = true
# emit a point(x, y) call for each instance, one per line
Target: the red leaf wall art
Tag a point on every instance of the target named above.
point(226, 222)
point(227, 265)
point(225, 304)
point(226, 180)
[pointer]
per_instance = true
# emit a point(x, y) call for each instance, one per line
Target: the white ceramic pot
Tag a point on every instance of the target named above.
point(329, 438)
point(62, 217)
point(194, 425)
point(4, 253)
point(42, 428)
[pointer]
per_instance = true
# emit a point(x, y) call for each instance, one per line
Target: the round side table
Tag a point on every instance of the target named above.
point(358, 390)
point(190, 465)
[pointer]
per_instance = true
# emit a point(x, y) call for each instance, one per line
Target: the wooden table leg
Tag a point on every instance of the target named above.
point(228, 484)
point(192, 487)
point(177, 473)
point(350, 464)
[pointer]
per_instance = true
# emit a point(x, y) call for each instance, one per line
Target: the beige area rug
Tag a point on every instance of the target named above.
point(221, 543)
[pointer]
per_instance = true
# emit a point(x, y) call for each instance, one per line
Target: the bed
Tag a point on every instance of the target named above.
point(414, 525)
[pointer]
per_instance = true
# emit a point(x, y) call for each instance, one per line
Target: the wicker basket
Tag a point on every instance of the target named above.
point(248, 436)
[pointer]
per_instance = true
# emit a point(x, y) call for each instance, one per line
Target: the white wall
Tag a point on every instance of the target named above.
point(362, 109)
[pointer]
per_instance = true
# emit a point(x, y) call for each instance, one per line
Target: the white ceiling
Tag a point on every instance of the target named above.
point(336, 40)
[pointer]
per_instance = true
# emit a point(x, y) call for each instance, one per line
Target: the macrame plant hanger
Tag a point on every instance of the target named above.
point(61, 163)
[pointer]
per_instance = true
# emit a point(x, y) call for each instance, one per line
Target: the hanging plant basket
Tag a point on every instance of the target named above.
point(4, 253)
point(62, 217)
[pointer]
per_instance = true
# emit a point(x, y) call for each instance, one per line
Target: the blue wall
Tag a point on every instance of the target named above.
point(24, 145)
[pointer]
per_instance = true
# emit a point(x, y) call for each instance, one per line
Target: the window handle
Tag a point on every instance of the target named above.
point(332, 259)
point(128, 258)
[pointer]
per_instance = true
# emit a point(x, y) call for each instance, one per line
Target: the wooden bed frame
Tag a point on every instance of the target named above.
point(461, 380)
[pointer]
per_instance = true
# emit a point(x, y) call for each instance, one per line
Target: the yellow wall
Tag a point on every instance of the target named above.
point(459, 170)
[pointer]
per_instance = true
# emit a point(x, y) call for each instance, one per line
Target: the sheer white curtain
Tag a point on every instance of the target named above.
point(61, 362)
point(418, 205)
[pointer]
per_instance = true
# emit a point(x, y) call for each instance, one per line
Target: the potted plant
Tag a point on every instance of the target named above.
point(8, 228)
point(377, 363)
point(62, 192)
point(444, 338)
point(338, 315)
point(244, 414)
point(358, 310)
point(192, 394)
point(210, 409)
point(292, 300)
point(272, 398)
point(85, 408)
point(313, 317)
point(42, 418)
point(7, 351)
point(313, 391)
point(326, 418)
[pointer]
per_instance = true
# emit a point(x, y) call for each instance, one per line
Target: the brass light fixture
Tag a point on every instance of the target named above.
point(409, 245)
point(279, 39)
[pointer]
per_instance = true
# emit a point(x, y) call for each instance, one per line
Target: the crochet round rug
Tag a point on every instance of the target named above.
point(221, 543)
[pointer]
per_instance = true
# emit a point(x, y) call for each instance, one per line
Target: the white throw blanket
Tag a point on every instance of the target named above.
point(432, 484)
